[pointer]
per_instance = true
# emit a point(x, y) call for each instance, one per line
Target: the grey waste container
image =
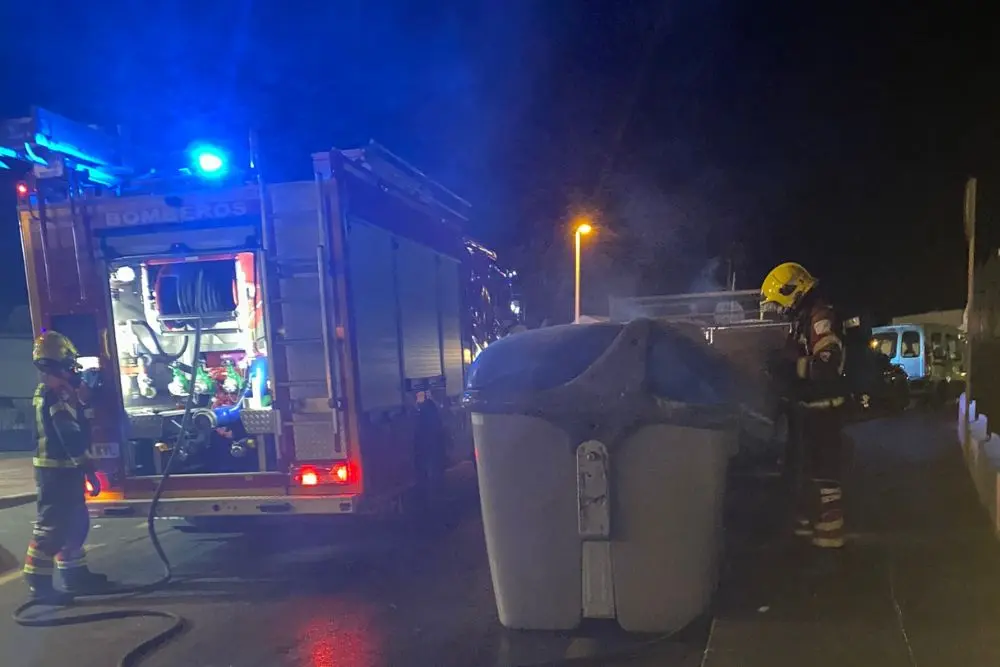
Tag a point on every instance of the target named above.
point(602, 452)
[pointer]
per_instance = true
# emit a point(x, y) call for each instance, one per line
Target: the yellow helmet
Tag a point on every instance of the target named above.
point(53, 351)
point(786, 284)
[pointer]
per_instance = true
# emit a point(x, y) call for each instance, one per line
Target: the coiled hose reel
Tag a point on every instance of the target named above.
point(198, 288)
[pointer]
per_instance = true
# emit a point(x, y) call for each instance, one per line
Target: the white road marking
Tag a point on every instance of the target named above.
point(10, 576)
point(580, 649)
point(708, 644)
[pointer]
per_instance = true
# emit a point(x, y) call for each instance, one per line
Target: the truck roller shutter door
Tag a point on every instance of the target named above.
point(375, 324)
point(449, 294)
point(416, 270)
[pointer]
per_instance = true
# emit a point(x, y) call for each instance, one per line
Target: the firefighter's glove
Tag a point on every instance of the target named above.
point(95, 483)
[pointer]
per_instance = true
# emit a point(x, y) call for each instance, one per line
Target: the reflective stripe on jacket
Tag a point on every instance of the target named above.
point(820, 365)
point(63, 430)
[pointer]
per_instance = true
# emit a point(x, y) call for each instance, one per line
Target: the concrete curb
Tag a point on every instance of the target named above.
point(7, 561)
point(17, 499)
point(984, 472)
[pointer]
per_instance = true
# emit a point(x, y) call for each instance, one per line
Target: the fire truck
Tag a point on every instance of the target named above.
point(331, 316)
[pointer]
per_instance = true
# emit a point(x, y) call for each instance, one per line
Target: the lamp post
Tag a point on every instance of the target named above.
point(582, 229)
point(970, 235)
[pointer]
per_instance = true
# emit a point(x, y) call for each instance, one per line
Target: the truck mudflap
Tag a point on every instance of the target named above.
point(225, 506)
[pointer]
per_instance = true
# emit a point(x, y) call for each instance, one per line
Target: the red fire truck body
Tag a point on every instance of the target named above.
point(332, 317)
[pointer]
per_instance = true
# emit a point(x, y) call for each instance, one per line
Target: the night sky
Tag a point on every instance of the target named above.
point(838, 137)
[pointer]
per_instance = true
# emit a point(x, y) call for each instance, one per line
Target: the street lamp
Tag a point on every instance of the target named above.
point(581, 229)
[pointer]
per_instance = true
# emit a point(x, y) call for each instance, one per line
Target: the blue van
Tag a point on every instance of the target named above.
point(931, 354)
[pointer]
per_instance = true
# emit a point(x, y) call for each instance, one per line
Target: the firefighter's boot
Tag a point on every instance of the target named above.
point(41, 590)
point(828, 531)
point(81, 581)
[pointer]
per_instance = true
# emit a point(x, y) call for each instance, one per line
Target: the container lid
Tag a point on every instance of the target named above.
point(539, 359)
point(597, 366)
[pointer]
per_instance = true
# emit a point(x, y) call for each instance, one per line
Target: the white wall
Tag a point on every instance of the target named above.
point(18, 377)
point(953, 318)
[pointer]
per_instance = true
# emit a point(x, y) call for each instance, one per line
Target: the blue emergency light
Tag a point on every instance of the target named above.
point(209, 161)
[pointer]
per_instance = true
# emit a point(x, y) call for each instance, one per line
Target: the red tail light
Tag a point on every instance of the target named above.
point(316, 475)
point(308, 477)
point(341, 473)
point(22, 190)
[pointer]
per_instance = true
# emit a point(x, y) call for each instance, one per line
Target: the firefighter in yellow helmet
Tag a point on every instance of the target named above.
point(816, 391)
point(62, 467)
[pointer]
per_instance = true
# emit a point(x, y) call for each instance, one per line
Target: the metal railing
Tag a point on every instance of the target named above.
point(706, 308)
point(732, 323)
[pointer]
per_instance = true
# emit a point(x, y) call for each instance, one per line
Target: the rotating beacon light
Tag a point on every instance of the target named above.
point(210, 162)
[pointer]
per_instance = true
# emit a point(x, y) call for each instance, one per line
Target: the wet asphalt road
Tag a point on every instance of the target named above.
point(338, 594)
point(317, 596)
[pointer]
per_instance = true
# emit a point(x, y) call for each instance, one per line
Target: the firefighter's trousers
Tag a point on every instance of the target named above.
point(61, 526)
point(817, 465)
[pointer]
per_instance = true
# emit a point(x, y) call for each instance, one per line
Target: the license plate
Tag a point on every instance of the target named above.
point(105, 450)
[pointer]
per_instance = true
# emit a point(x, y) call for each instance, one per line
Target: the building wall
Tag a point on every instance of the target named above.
point(18, 379)
point(952, 318)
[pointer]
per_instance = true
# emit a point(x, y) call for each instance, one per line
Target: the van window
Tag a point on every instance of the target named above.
point(937, 346)
point(885, 343)
point(951, 346)
point(911, 344)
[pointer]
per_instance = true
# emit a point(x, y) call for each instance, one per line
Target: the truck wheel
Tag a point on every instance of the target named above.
point(430, 464)
point(430, 476)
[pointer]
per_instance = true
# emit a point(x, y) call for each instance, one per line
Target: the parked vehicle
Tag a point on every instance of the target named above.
point(930, 354)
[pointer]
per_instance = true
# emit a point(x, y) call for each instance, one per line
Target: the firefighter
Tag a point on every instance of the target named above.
point(62, 468)
point(817, 395)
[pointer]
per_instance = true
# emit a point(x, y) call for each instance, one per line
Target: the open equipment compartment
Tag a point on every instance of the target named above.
point(155, 302)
